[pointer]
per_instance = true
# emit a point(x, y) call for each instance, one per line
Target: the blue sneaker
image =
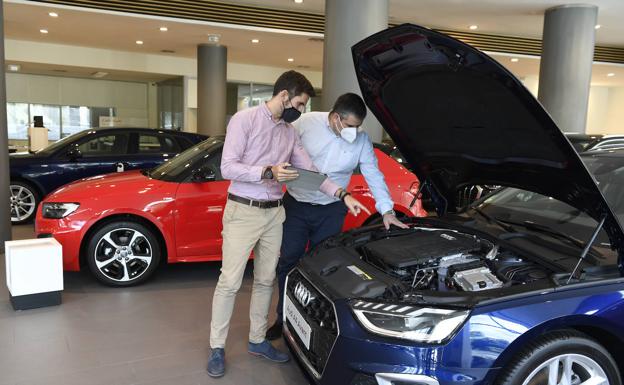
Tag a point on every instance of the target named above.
point(266, 350)
point(216, 363)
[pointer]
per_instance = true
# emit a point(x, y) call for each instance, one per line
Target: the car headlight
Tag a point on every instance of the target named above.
point(54, 210)
point(419, 324)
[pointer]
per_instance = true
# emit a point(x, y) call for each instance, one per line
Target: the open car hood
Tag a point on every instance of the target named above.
point(460, 118)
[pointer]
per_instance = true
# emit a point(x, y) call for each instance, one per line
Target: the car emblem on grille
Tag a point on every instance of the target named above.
point(303, 295)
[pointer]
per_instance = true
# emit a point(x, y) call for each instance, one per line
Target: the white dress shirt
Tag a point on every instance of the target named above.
point(338, 158)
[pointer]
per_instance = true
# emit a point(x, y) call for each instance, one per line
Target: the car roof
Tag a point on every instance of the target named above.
point(147, 129)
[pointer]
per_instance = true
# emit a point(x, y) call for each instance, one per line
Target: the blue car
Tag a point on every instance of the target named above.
point(88, 153)
point(522, 287)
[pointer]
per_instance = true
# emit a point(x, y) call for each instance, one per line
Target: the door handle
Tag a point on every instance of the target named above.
point(360, 189)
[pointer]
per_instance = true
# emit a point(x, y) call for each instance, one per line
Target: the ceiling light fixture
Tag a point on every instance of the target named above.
point(598, 26)
point(514, 59)
point(164, 29)
point(291, 59)
point(255, 41)
point(214, 38)
point(14, 67)
point(611, 74)
point(43, 31)
point(139, 42)
point(99, 74)
point(473, 27)
point(53, 14)
point(298, 1)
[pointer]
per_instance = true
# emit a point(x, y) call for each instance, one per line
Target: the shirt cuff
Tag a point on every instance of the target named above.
point(258, 170)
point(329, 187)
point(384, 207)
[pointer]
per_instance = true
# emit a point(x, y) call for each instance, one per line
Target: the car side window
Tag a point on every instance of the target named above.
point(113, 144)
point(157, 144)
point(214, 164)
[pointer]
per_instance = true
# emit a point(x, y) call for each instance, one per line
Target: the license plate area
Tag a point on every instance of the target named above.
point(298, 323)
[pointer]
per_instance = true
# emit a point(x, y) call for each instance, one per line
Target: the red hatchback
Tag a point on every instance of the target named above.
point(123, 225)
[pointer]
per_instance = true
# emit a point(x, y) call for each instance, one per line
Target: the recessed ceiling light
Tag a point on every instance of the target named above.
point(291, 59)
point(14, 67)
point(164, 29)
point(53, 14)
point(139, 42)
point(99, 74)
point(610, 74)
point(514, 59)
point(597, 26)
point(298, 1)
point(214, 38)
point(255, 41)
point(473, 27)
point(43, 30)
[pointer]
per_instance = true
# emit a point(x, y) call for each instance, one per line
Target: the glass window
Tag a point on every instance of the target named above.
point(51, 118)
point(151, 144)
point(185, 161)
point(75, 119)
point(17, 120)
point(104, 145)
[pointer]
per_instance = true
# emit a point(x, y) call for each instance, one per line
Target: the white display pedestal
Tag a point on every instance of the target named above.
point(34, 272)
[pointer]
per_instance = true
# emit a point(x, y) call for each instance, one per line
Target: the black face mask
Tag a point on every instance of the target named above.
point(290, 114)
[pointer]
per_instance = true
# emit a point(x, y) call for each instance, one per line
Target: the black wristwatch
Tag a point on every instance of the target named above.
point(344, 194)
point(267, 173)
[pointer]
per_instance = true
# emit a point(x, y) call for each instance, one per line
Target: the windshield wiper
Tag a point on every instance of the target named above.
point(545, 230)
point(539, 228)
point(502, 224)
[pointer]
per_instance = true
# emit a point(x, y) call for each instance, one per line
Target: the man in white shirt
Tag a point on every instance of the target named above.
point(337, 147)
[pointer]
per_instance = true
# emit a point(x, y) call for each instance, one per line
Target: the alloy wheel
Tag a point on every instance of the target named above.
point(23, 203)
point(123, 254)
point(568, 369)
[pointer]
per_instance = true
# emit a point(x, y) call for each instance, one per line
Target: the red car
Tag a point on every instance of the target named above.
point(122, 225)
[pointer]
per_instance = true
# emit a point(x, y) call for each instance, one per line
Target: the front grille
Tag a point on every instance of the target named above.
point(321, 317)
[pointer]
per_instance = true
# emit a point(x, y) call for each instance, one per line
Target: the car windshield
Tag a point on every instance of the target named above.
point(64, 141)
point(170, 170)
point(512, 205)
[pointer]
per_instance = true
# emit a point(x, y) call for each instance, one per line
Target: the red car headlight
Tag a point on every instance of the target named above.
point(54, 210)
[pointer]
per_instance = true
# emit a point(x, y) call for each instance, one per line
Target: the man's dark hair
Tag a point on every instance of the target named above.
point(350, 104)
point(295, 83)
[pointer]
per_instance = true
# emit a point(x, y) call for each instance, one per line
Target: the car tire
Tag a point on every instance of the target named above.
point(561, 353)
point(123, 253)
point(24, 199)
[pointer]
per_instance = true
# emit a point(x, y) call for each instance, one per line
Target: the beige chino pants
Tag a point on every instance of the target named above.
point(246, 228)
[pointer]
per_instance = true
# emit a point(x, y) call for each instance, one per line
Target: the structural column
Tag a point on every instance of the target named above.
point(211, 88)
point(566, 65)
point(5, 210)
point(346, 23)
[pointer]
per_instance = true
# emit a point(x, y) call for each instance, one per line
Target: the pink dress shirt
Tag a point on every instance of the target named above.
point(254, 141)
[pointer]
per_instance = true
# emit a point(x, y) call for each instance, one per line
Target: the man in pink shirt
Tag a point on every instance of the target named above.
point(259, 146)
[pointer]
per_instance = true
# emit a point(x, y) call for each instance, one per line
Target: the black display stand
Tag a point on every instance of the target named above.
point(34, 301)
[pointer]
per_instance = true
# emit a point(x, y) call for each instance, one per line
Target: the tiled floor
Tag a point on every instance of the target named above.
point(154, 334)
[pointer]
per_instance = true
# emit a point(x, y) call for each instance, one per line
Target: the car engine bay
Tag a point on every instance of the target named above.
point(447, 260)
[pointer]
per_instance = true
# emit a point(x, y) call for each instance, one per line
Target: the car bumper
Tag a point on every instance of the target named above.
point(355, 357)
point(67, 233)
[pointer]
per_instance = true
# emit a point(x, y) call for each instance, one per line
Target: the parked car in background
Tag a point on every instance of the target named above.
point(523, 288)
point(587, 142)
point(88, 153)
point(122, 226)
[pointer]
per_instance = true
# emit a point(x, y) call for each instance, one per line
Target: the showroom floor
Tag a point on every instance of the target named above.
point(156, 333)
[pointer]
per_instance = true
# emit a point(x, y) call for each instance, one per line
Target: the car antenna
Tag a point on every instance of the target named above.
point(587, 247)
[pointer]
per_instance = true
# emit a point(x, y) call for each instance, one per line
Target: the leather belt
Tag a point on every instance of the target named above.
point(254, 203)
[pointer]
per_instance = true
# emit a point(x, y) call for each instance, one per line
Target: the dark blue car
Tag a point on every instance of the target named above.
point(523, 287)
point(88, 153)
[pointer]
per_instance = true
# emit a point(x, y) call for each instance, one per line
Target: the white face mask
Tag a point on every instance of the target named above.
point(348, 133)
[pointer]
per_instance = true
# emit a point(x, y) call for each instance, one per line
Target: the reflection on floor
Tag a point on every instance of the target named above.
point(153, 334)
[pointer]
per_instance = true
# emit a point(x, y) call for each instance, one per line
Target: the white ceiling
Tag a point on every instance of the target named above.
point(90, 28)
point(506, 17)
